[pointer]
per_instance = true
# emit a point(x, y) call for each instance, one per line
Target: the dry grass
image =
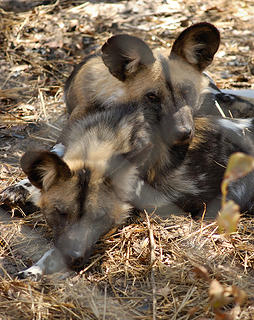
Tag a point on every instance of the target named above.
point(122, 281)
point(149, 268)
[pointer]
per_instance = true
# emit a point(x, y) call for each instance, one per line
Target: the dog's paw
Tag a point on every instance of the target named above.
point(20, 194)
point(50, 263)
point(33, 273)
point(15, 194)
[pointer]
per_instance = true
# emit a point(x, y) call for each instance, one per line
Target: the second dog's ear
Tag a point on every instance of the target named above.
point(197, 45)
point(124, 55)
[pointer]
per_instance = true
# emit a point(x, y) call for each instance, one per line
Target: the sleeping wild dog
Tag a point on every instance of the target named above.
point(128, 70)
point(136, 154)
point(117, 160)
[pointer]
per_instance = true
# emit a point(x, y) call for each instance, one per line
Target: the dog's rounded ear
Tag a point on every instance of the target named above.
point(197, 45)
point(44, 168)
point(124, 55)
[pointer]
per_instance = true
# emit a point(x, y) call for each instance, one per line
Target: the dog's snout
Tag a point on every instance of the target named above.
point(77, 263)
point(75, 260)
point(183, 135)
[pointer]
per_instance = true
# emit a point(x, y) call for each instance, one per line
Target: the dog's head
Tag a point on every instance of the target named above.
point(83, 204)
point(173, 81)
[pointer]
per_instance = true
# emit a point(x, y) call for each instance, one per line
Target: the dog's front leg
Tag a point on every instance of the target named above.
point(51, 262)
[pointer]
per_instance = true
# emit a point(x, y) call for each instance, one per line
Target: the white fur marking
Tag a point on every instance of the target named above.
point(236, 125)
point(210, 79)
point(139, 187)
point(34, 193)
point(25, 183)
point(50, 262)
point(58, 149)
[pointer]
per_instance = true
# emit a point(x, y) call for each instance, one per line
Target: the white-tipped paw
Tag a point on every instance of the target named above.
point(33, 273)
point(51, 262)
point(15, 194)
point(20, 193)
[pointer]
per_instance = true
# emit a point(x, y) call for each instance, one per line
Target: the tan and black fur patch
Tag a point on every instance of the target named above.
point(118, 159)
point(130, 142)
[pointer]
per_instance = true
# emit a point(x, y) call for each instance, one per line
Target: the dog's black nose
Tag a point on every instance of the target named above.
point(77, 263)
point(183, 135)
point(74, 260)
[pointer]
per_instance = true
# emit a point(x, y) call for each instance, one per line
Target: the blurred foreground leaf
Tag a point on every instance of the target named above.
point(228, 217)
point(217, 295)
point(221, 295)
point(239, 165)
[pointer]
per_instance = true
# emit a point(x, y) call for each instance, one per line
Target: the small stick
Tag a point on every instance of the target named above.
point(105, 303)
point(152, 260)
point(43, 105)
point(219, 108)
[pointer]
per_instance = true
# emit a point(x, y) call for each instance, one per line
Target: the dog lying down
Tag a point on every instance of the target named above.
point(143, 150)
point(114, 162)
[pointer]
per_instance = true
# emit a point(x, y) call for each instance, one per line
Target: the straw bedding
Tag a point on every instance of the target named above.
point(149, 268)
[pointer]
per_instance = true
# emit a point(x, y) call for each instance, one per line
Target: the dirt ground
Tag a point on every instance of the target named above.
point(197, 273)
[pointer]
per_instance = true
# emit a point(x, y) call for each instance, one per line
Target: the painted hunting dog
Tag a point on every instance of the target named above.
point(129, 144)
point(128, 70)
point(118, 160)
